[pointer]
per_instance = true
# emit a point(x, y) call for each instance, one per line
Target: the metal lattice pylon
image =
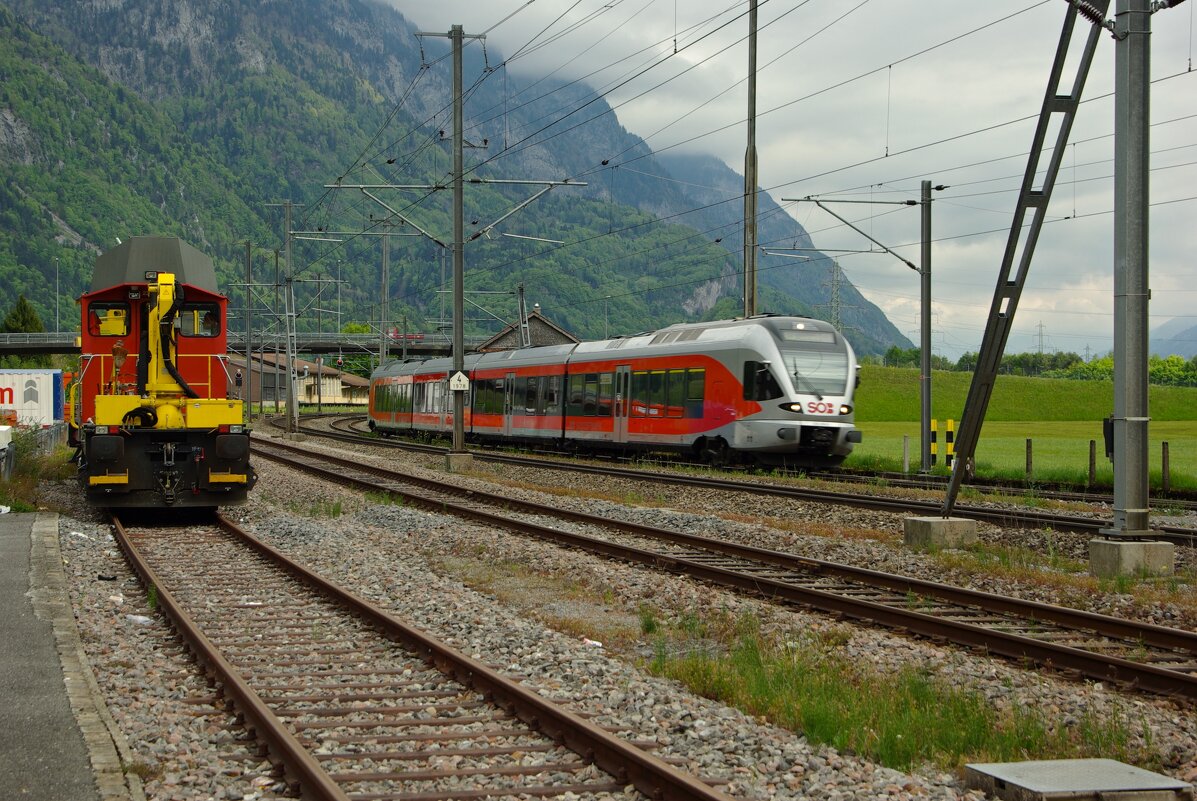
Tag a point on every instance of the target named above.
point(1057, 109)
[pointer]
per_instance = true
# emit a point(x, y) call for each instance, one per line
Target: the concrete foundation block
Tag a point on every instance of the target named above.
point(1110, 558)
point(294, 436)
point(458, 462)
point(931, 533)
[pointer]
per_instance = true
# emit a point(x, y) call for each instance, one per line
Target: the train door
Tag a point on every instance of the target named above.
point(623, 402)
point(508, 403)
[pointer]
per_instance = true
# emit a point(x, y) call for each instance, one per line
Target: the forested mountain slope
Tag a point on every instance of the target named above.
point(192, 117)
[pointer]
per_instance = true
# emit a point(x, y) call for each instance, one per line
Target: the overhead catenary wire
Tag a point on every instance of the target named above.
point(906, 58)
point(844, 168)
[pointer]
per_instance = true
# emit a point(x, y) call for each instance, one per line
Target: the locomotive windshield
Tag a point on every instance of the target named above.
point(816, 372)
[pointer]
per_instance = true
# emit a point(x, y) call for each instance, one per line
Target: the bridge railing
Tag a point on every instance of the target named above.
point(428, 345)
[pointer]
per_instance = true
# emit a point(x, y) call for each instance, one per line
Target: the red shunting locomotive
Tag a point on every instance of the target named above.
point(154, 425)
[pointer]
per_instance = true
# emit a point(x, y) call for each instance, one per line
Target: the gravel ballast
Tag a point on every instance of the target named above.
point(411, 562)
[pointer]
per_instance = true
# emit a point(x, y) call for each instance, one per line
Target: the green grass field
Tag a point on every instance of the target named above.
point(1060, 417)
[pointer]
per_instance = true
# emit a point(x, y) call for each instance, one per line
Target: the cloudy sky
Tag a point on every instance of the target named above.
point(861, 100)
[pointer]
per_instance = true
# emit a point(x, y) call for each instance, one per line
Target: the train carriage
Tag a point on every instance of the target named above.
point(518, 394)
point(774, 390)
point(153, 421)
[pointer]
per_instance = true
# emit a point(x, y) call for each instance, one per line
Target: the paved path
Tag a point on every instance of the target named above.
point(55, 734)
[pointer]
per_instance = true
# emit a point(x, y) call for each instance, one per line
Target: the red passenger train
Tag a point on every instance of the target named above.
point(767, 389)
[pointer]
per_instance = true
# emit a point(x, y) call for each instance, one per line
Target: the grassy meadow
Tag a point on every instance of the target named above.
point(1060, 417)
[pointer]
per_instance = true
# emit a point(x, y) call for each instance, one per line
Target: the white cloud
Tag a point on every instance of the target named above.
point(964, 83)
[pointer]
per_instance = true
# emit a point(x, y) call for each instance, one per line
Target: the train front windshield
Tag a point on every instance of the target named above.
point(815, 364)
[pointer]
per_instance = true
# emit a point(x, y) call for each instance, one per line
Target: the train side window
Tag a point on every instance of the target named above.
point(590, 395)
point(489, 398)
point(640, 394)
point(552, 395)
point(199, 320)
point(480, 404)
point(499, 399)
point(577, 391)
point(695, 392)
point(656, 393)
point(606, 394)
point(476, 401)
point(108, 319)
point(759, 383)
point(532, 401)
point(675, 395)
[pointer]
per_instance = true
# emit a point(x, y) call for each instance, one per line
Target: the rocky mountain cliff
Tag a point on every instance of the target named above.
point(121, 117)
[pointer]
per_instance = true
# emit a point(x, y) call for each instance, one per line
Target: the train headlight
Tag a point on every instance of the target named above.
point(845, 409)
point(101, 429)
point(792, 407)
point(236, 429)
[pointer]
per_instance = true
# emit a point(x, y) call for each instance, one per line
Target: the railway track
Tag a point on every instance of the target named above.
point(1005, 516)
point(1149, 657)
point(938, 483)
point(355, 704)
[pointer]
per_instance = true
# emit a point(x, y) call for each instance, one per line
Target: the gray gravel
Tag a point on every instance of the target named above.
point(189, 750)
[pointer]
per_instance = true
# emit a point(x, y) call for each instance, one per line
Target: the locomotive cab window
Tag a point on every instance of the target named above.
point(108, 319)
point(199, 320)
point(759, 383)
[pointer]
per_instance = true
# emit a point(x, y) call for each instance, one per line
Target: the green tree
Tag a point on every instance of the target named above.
point(22, 318)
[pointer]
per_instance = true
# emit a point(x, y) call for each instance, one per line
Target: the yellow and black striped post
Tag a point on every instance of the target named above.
point(949, 444)
point(934, 438)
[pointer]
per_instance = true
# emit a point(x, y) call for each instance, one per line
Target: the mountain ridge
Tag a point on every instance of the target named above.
point(210, 111)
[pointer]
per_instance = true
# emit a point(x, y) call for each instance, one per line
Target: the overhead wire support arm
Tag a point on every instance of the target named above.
point(897, 256)
point(1058, 109)
point(364, 187)
point(520, 206)
point(405, 219)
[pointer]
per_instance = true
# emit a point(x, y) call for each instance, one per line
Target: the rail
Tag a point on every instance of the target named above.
point(273, 720)
point(1151, 657)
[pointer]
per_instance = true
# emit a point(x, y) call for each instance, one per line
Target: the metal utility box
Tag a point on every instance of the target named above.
point(1075, 780)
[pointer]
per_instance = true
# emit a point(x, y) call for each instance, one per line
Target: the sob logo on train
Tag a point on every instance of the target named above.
point(821, 407)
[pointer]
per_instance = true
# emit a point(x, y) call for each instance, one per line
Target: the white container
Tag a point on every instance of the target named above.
point(33, 397)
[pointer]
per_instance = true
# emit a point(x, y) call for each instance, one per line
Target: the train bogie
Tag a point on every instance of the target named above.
point(772, 390)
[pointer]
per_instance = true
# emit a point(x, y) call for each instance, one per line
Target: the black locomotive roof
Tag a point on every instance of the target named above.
point(128, 262)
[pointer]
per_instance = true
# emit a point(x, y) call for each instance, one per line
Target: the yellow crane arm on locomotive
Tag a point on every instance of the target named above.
point(165, 404)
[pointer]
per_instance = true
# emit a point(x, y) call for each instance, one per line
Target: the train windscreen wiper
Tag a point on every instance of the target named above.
point(798, 376)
